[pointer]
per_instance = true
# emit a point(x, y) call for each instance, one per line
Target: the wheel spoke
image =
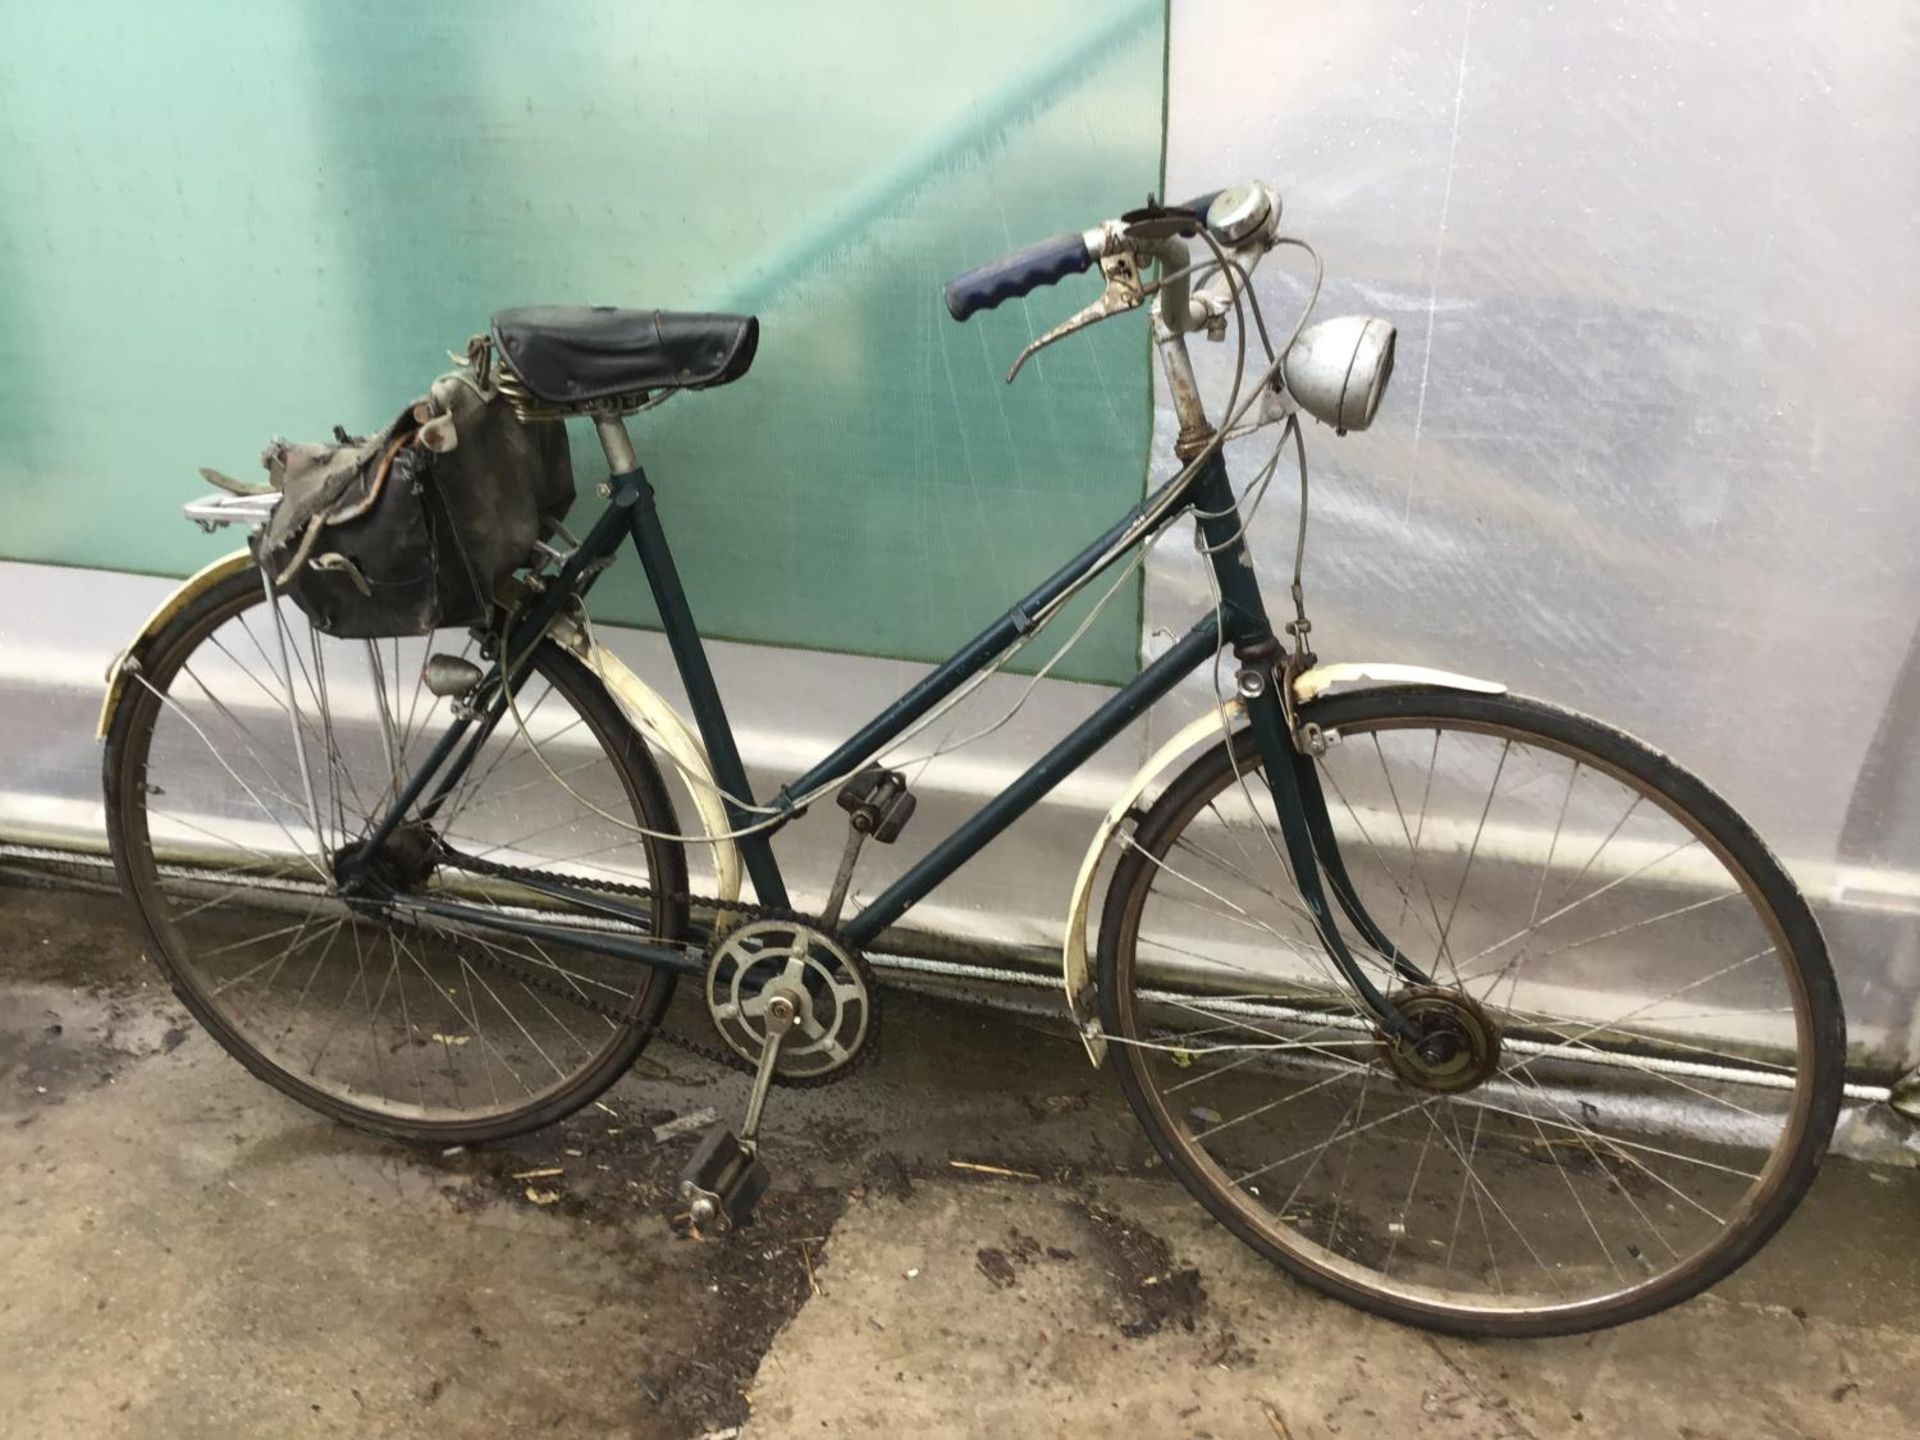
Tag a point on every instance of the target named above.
point(259, 754)
point(1609, 1109)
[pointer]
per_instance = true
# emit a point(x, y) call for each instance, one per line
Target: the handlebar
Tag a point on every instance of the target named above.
point(1020, 272)
point(1046, 262)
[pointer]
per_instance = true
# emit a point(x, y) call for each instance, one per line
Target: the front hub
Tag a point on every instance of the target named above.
point(1450, 1044)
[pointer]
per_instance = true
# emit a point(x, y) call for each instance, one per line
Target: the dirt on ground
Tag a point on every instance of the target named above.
point(971, 1237)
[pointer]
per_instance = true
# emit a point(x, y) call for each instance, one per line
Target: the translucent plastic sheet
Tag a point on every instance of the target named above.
point(218, 223)
point(1647, 450)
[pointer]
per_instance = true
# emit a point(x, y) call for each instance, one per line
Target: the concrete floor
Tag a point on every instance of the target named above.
point(188, 1254)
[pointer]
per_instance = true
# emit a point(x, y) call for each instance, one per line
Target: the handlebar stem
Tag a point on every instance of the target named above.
point(1174, 315)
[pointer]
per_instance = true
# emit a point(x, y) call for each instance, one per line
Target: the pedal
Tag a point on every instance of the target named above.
point(878, 803)
point(724, 1181)
point(878, 806)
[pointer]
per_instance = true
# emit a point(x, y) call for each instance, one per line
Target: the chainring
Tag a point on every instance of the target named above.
point(827, 978)
point(733, 913)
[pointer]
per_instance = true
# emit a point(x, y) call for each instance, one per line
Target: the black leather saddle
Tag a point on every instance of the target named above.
point(567, 355)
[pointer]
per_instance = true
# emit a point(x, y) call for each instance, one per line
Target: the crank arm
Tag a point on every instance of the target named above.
point(783, 1013)
point(725, 1178)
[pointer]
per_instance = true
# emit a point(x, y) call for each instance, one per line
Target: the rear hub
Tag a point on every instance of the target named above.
point(403, 863)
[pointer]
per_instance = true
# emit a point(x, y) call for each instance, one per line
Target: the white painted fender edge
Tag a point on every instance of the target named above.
point(664, 726)
point(1310, 683)
point(202, 579)
point(1075, 971)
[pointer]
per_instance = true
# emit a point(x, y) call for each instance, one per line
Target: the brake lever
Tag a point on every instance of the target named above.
point(1123, 292)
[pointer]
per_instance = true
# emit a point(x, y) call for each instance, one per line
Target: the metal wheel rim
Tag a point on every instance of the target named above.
point(149, 875)
point(1772, 1177)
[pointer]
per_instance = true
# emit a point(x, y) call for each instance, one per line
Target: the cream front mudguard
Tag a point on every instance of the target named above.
point(1082, 998)
point(1310, 683)
point(664, 726)
point(1077, 972)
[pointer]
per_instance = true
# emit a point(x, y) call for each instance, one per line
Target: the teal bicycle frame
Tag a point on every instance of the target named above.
point(1240, 624)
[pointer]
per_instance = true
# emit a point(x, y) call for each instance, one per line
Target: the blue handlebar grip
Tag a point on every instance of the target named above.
point(1018, 273)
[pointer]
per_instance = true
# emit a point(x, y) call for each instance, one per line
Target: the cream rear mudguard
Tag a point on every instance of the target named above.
point(658, 721)
point(189, 590)
point(664, 726)
point(1082, 999)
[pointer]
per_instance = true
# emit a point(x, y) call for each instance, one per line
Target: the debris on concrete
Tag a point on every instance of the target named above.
point(685, 1124)
point(995, 1265)
point(975, 1167)
point(306, 1265)
point(1151, 1291)
point(1052, 1106)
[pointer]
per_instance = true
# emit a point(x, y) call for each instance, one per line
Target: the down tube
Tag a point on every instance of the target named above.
point(1010, 804)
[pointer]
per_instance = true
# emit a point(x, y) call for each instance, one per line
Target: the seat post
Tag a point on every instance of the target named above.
point(615, 441)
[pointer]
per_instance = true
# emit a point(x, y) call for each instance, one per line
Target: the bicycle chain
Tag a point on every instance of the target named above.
point(722, 1054)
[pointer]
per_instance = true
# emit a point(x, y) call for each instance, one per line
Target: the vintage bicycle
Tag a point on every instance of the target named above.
point(1466, 1009)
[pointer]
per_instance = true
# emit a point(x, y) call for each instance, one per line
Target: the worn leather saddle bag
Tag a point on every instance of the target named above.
point(414, 528)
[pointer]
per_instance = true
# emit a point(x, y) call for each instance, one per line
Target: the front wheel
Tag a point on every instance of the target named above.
point(1628, 1049)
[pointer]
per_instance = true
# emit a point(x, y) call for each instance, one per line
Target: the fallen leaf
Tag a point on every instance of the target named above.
point(683, 1124)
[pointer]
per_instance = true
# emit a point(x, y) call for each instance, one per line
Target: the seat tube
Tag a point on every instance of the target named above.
point(630, 486)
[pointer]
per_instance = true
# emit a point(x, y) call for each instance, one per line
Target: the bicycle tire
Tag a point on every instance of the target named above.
point(156, 665)
point(1819, 1027)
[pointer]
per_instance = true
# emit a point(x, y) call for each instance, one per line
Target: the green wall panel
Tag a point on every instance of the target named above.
point(223, 221)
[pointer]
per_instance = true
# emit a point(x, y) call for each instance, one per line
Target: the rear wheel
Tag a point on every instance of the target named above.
point(226, 833)
point(1630, 1047)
